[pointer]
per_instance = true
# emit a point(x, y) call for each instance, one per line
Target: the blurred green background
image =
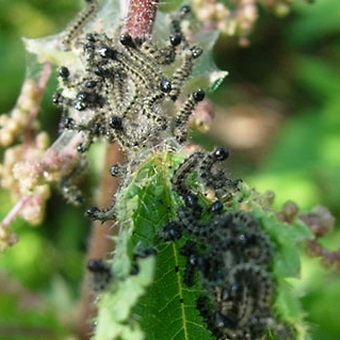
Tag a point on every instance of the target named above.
point(279, 113)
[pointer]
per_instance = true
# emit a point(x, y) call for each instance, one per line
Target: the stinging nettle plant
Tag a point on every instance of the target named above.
point(197, 254)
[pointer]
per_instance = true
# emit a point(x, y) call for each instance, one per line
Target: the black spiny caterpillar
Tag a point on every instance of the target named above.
point(126, 89)
point(227, 251)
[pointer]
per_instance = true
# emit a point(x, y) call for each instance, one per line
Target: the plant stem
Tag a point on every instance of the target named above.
point(100, 244)
point(141, 17)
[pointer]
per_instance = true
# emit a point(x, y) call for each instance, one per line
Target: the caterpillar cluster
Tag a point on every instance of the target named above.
point(126, 88)
point(229, 251)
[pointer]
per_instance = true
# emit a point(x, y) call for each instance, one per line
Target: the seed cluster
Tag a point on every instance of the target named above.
point(229, 251)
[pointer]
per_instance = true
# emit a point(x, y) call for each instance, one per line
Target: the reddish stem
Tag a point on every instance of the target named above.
point(100, 241)
point(141, 17)
point(14, 212)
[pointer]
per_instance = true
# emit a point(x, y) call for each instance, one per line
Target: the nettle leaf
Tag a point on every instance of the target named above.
point(148, 298)
point(167, 309)
point(115, 306)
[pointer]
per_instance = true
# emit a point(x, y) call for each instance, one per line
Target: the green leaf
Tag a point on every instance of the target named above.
point(155, 303)
point(167, 308)
point(115, 306)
